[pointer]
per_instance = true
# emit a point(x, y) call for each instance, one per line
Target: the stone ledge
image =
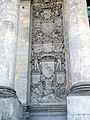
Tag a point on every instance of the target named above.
point(59, 109)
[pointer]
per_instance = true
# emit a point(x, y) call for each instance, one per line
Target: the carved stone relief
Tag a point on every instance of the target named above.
point(48, 73)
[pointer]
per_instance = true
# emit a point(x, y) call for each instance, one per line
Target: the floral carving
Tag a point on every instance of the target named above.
point(48, 57)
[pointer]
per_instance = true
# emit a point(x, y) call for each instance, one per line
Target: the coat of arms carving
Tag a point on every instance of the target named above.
point(48, 74)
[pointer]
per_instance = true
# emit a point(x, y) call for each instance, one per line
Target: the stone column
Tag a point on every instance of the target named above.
point(9, 10)
point(9, 14)
point(78, 100)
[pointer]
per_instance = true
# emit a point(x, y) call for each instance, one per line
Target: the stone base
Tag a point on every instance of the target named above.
point(48, 117)
point(78, 117)
point(10, 109)
point(48, 112)
point(78, 107)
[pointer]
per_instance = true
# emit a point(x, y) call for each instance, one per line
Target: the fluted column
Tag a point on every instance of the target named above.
point(78, 100)
point(9, 16)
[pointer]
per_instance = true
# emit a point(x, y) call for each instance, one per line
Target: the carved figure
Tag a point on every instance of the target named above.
point(58, 65)
point(36, 64)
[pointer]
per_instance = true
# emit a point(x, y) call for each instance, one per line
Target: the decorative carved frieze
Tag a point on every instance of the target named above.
point(48, 73)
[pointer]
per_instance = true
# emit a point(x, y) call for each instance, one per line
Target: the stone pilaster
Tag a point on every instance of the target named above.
point(9, 104)
point(79, 46)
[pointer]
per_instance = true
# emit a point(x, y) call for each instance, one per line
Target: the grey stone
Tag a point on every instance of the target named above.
point(10, 109)
point(47, 61)
point(78, 104)
point(78, 107)
point(79, 41)
point(8, 39)
point(47, 54)
point(78, 117)
point(48, 117)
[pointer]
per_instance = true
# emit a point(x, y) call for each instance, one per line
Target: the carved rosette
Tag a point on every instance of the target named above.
point(48, 57)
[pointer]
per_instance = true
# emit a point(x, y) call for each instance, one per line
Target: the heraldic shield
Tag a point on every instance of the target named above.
point(47, 66)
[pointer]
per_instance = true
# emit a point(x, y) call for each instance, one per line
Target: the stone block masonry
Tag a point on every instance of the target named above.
point(22, 51)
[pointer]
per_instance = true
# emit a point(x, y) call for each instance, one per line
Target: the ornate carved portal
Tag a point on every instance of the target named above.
point(48, 75)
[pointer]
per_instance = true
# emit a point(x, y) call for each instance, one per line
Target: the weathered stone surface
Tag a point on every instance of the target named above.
point(78, 117)
point(79, 58)
point(78, 107)
point(79, 41)
point(47, 112)
point(9, 11)
point(47, 54)
point(62, 117)
point(47, 62)
point(21, 77)
point(10, 109)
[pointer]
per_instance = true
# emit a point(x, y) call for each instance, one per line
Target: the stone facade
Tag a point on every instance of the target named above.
point(52, 78)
